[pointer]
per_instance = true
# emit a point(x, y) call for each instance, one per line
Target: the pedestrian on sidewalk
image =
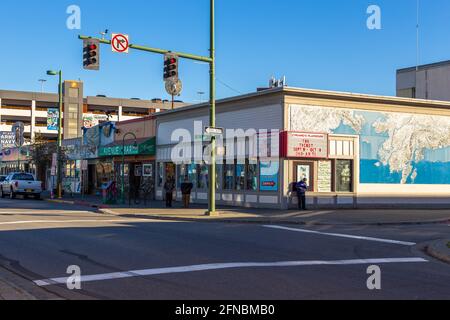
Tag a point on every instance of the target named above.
point(186, 190)
point(302, 187)
point(169, 188)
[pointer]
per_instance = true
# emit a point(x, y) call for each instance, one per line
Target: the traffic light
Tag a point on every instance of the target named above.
point(91, 54)
point(170, 67)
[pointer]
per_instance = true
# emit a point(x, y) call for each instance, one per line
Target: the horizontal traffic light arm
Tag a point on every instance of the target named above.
point(155, 50)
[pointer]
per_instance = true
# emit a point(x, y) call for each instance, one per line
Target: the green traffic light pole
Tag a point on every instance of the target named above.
point(59, 145)
point(211, 60)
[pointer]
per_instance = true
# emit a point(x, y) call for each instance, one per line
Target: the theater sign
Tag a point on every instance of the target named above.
point(304, 145)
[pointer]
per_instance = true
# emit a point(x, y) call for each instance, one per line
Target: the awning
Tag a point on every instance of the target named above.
point(142, 147)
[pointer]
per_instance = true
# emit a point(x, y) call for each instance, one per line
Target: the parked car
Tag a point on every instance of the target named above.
point(23, 184)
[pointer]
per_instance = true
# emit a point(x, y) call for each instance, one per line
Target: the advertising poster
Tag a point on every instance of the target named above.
point(269, 175)
point(52, 119)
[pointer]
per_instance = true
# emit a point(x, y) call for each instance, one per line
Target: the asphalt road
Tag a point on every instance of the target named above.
point(123, 258)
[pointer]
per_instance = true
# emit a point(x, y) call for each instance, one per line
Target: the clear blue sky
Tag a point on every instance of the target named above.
point(322, 44)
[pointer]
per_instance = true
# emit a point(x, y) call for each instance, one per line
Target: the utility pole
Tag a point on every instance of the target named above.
point(212, 120)
point(212, 63)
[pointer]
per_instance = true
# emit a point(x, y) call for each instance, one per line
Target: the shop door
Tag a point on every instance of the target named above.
point(305, 170)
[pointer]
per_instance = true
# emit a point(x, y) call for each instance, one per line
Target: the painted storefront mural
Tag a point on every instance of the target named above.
point(396, 148)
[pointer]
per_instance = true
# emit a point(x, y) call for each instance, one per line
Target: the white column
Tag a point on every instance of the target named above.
point(33, 118)
point(120, 113)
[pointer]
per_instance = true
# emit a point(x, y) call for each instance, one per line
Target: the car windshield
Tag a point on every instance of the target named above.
point(23, 177)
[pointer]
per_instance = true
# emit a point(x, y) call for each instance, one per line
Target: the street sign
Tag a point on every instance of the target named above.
point(214, 131)
point(174, 87)
point(18, 129)
point(120, 43)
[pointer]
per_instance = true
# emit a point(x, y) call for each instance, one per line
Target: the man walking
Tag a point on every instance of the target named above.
point(302, 187)
point(186, 190)
point(169, 188)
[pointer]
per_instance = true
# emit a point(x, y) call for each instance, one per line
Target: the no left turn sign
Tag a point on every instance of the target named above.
point(120, 43)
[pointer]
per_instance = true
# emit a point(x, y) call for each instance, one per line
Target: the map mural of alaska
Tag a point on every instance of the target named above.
point(396, 148)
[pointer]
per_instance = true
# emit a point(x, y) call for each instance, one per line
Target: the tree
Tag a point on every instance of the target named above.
point(41, 153)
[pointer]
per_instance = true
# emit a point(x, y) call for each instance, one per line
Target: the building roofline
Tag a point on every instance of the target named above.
point(323, 94)
point(425, 66)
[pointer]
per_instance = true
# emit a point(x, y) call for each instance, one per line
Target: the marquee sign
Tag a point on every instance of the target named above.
point(304, 145)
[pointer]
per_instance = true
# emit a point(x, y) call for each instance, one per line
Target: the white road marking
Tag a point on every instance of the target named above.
point(220, 266)
point(315, 214)
point(343, 235)
point(68, 221)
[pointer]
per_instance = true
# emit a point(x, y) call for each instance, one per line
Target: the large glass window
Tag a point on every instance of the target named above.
point(240, 177)
point(192, 173)
point(228, 176)
point(182, 174)
point(252, 177)
point(160, 174)
point(219, 176)
point(203, 177)
point(344, 176)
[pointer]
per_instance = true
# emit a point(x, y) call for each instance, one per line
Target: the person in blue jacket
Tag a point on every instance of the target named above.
point(302, 187)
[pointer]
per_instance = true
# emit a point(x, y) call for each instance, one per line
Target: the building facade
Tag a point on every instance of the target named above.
point(430, 82)
point(355, 150)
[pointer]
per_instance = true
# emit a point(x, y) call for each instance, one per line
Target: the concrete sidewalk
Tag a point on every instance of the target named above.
point(157, 210)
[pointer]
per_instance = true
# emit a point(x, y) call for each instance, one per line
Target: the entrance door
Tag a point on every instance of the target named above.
point(305, 170)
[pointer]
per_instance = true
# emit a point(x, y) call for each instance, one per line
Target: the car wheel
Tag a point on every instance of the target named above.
point(37, 197)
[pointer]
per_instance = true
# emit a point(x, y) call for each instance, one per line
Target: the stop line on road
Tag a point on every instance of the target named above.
point(339, 235)
point(221, 266)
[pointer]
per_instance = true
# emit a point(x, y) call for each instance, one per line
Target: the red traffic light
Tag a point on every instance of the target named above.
point(172, 61)
point(92, 47)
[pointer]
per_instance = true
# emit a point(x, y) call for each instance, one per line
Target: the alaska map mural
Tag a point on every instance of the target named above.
point(396, 148)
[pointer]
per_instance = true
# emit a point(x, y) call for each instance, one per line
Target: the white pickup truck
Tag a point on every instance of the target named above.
point(21, 184)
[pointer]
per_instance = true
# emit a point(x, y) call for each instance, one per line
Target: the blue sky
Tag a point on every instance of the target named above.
point(321, 44)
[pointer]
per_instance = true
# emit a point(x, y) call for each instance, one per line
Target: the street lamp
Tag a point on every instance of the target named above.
point(122, 189)
point(60, 94)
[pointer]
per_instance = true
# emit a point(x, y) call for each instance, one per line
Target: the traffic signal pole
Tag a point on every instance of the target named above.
point(60, 136)
point(211, 60)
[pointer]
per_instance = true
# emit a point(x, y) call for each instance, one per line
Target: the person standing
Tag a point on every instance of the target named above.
point(302, 187)
point(186, 190)
point(169, 188)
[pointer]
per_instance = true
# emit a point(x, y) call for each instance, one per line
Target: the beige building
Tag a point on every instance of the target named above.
point(356, 150)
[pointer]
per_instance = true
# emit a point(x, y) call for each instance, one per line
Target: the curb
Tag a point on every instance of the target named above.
point(439, 250)
point(266, 221)
point(78, 203)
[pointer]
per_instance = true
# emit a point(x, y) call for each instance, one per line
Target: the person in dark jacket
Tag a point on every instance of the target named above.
point(169, 188)
point(186, 190)
point(302, 187)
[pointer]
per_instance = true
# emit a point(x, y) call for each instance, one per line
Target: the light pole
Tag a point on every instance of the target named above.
point(42, 81)
point(122, 188)
point(59, 145)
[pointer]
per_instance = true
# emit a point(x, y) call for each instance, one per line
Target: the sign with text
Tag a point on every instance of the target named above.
point(7, 139)
point(304, 145)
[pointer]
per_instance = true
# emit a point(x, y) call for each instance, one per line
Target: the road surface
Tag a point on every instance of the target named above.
point(124, 258)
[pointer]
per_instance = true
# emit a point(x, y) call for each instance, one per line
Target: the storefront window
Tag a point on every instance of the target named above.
point(219, 176)
point(182, 173)
point(240, 177)
point(192, 173)
point(160, 174)
point(344, 176)
point(203, 178)
point(269, 176)
point(252, 177)
point(228, 177)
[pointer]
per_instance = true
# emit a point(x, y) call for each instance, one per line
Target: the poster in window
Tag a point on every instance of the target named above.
point(269, 175)
point(138, 171)
point(148, 170)
point(303, 172)
point(324, 176)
